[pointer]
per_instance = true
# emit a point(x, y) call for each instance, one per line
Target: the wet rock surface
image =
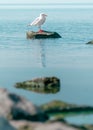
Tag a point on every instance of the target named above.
point(41, 85)
point(42, 35)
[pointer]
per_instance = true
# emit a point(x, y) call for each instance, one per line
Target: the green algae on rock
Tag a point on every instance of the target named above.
point(41, 85)
point(56, 108)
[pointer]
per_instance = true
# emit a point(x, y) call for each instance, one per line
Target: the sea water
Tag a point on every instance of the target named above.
point(68, 58)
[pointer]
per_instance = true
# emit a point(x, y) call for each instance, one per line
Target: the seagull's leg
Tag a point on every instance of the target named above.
point(40, 30)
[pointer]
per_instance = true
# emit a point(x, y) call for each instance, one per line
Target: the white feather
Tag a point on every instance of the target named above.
point(39, 20)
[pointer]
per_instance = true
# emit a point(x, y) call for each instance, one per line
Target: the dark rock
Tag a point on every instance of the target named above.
point(42, 35)
point(41, 85)
point(90, 42)
point(16, 107)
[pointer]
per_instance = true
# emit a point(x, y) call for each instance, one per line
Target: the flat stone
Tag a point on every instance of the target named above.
point(42, 35)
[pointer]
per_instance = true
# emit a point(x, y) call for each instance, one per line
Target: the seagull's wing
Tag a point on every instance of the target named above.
point(38, 21)
point(41, 21)
point(35, 21)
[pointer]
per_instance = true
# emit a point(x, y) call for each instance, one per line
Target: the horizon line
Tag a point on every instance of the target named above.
point(48, 3)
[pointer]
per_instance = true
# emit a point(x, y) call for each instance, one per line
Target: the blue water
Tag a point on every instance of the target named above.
point(81, 119)
point(69, 58)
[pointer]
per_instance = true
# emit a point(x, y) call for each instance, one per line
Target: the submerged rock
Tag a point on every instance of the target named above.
point(90, 42)
point(41, 85)
point(42, 35)
point(16, 107)
point(56, 107)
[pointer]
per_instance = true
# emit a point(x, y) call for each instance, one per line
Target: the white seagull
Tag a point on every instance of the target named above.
point(39, 21)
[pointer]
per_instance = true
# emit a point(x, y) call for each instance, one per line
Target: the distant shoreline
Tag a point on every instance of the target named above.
point(47, 5)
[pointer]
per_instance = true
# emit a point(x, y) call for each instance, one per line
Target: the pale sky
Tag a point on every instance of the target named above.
point(44, 1)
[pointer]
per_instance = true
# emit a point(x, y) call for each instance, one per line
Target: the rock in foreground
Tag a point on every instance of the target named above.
point(43, 85)
point(14, 107)
point(23, 115)
point(42, 35)
point(23, 125)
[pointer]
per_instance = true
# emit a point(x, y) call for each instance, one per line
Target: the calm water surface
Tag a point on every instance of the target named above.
point(68, 58)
